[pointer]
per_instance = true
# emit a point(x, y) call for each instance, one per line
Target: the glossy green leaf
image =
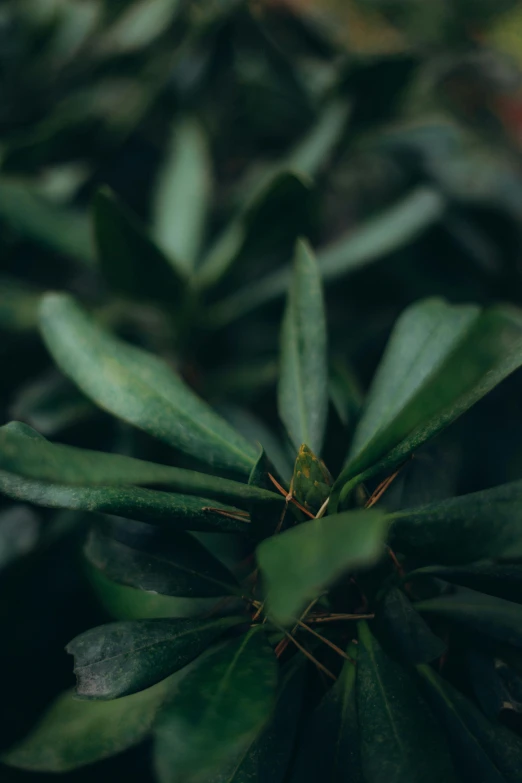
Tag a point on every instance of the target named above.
point(463, 529)
point(301, 562)
point(138, 387)
point(266, 759)
point(486, 750)
point(74, 733)
point(400, 739)
point(169, 564)
point(303, 381)
point(178, 512)
point(36, 458)
point(485, 614)
point(257, 227)
point(221, 706)
point(61, 230)
point(441, 359)
point(130, 261)
point(182, 196)
point(128, 603)
point(501, 579)
point(328, 747)
point(394, 228)
point(119, 659)
point(18, 305)
point(410, 638)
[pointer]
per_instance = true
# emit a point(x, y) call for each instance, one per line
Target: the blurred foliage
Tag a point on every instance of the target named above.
point(389, 132)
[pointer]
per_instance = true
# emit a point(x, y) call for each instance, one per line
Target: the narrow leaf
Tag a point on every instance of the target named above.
point(178, 512)
point(410, 637)
point(400, 739)
point(138, 387)
point(266, 759)
point(394, 228)
point(441, 359)
point(463, 529)
point(221, 706)
point(182, 196)
point(303, 384)
point(74, 733)
point(301, 562)
point(120, 659)
point(130, 261)
point(487, 750)
point(501, 579)
point(329, 745)
point(165, 563)
point(485, 614)
point(257, 228)
point(59, 229)
point(38, 459)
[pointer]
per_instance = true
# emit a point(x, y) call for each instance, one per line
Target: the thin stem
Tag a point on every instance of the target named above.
point(239, 516)
point(289, 497)
point(326, 641)
point(290, 638)
point(332, 618)
point(381, 489)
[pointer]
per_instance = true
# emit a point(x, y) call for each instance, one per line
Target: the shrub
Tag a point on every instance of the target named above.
point(335, 644)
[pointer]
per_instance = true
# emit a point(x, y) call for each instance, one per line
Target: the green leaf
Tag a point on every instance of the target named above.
point(410, 637)
point(329, 745)
point(138, 387)
point(441, 359)
point(301, 562)
point(394, 228)
point(221, 706)
point(303, 382)
point(501, 579)
point(482, 749)
point(311, 153)
point(400, 740)
point(130, 261)
point(18, 305)
point(485, 614)
point(138, 26)
point(120, 659)
point(165, 563)
point(36, 458)
point(61, 230)
point(267, 758)
point(177, 512)
point(286, 193)
point(463, 529)
point(383, 234)
point(182, 196)
point(74, 733)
